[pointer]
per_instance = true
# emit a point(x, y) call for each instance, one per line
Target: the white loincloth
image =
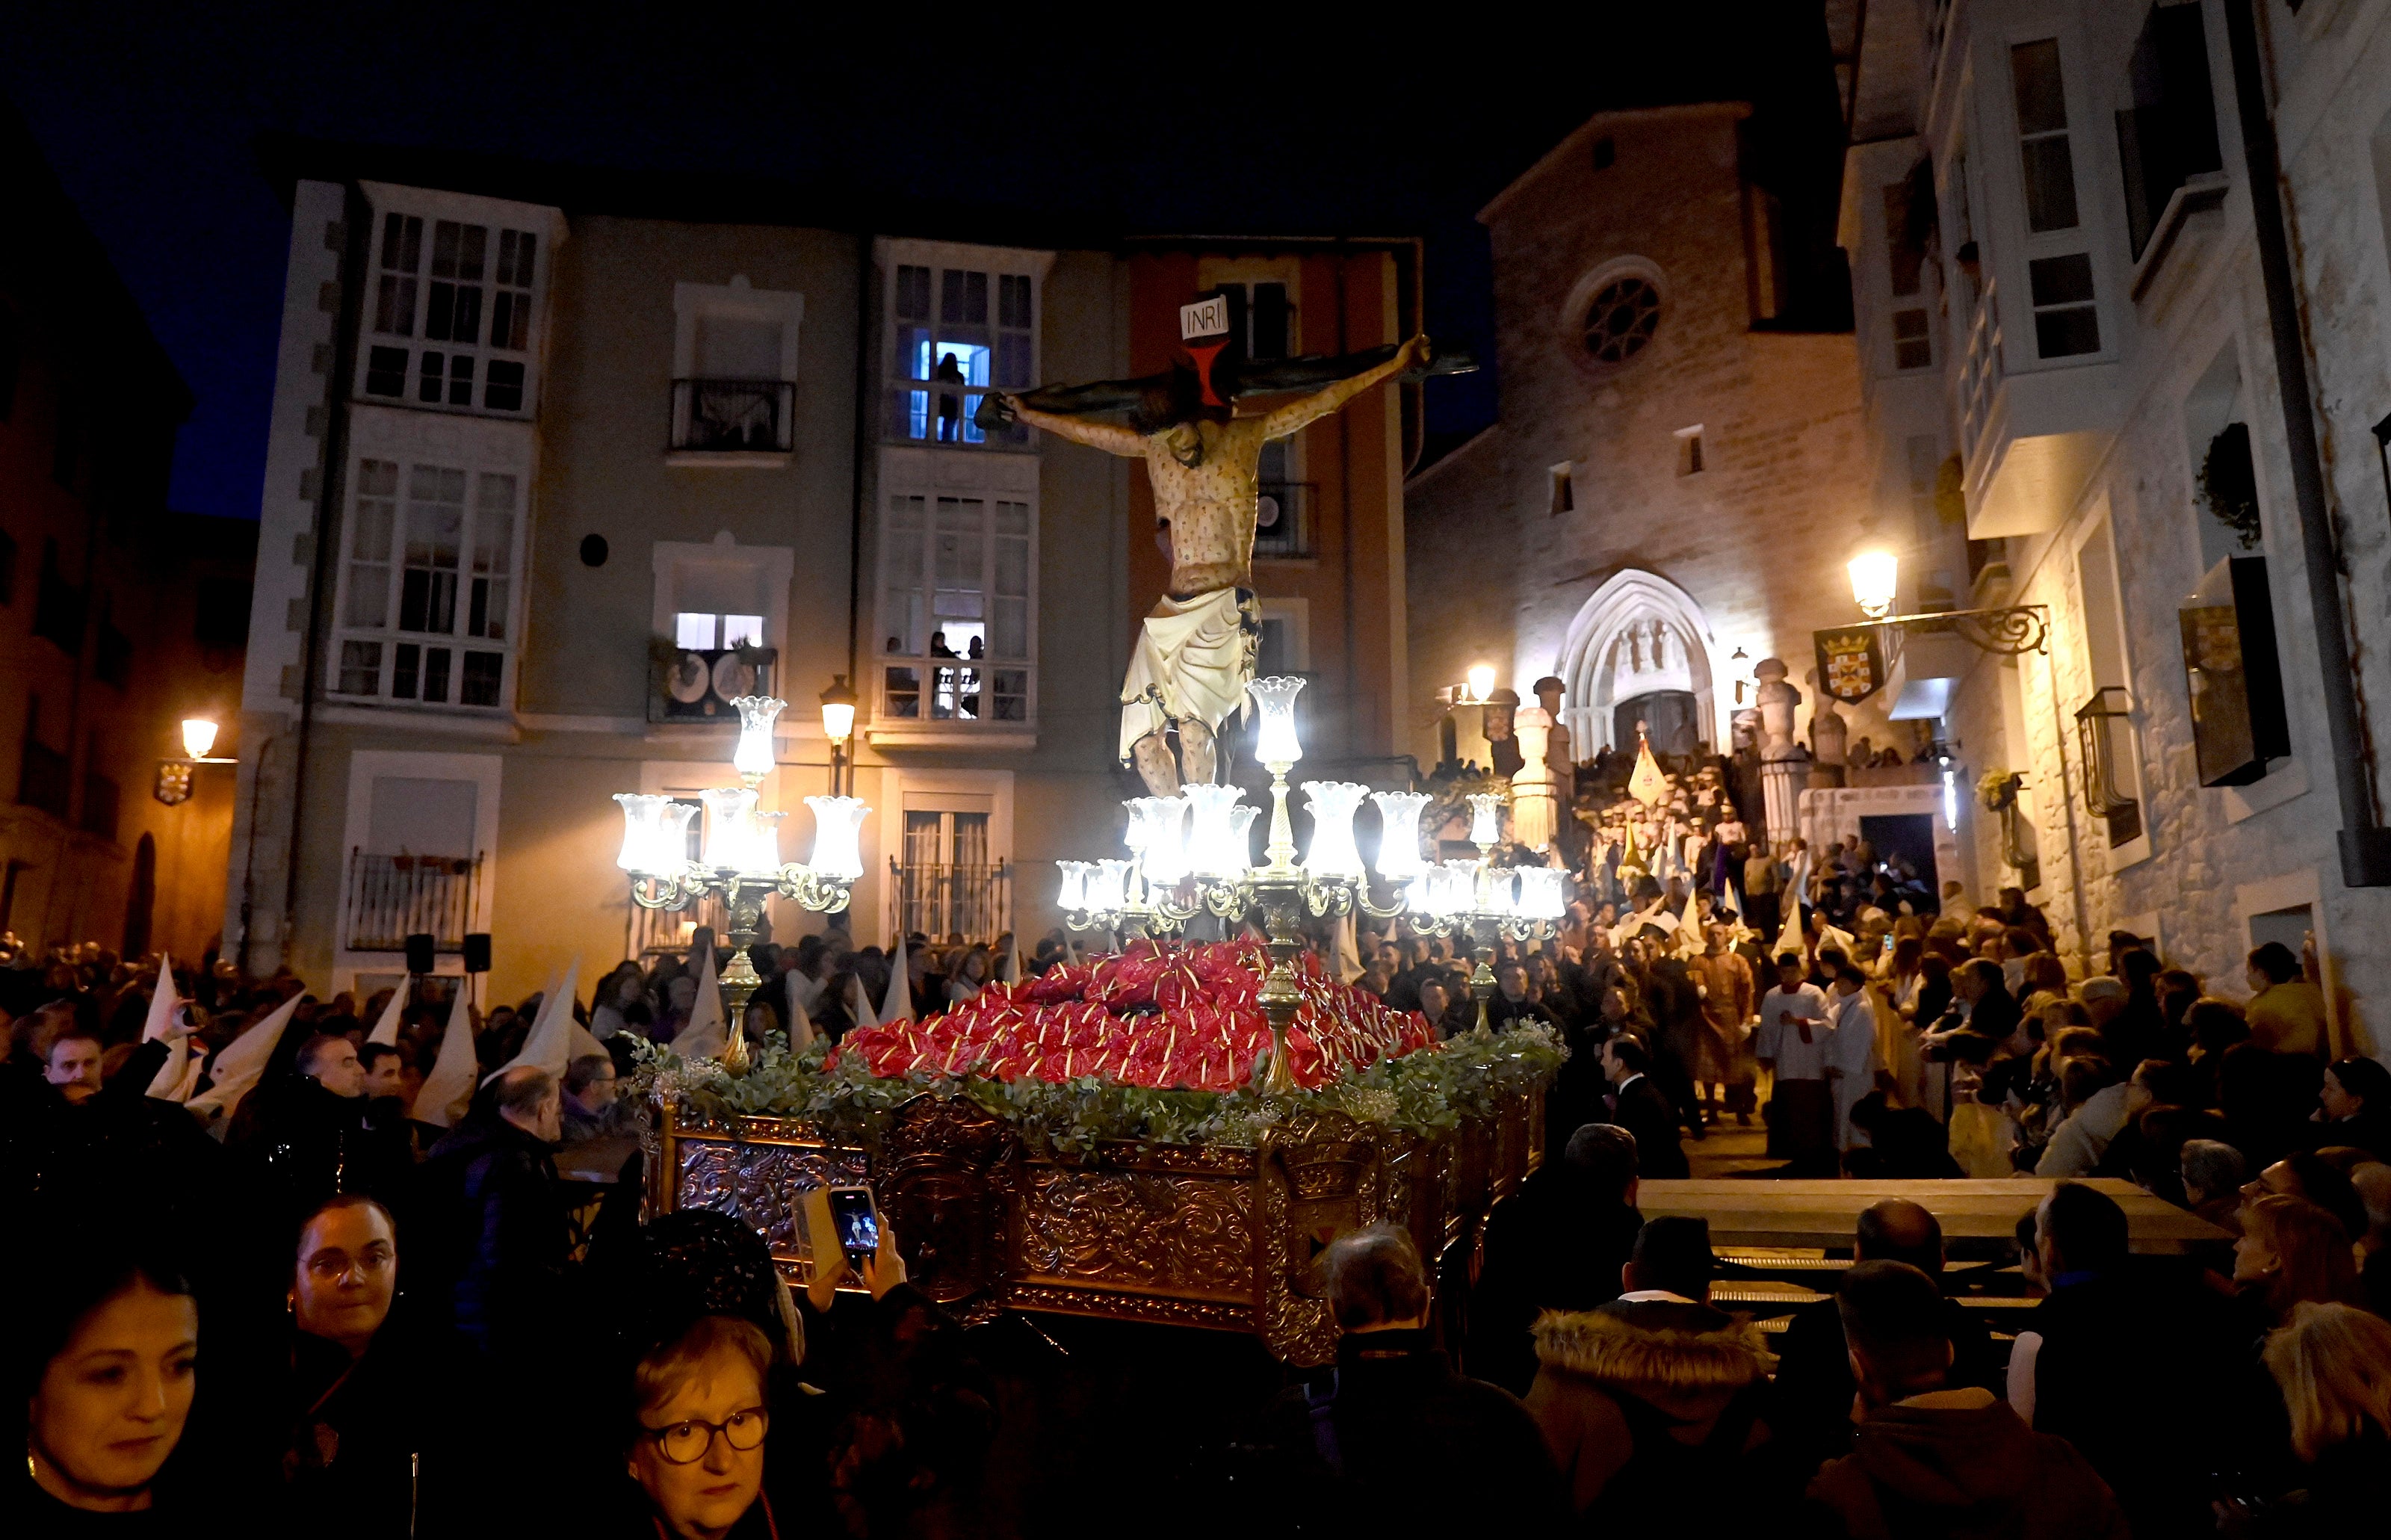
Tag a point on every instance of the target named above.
point(1191, 661)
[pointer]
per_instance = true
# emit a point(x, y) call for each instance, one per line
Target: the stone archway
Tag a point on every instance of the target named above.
point(1638, 634)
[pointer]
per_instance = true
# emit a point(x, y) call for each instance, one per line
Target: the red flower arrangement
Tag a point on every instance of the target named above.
point(1186, 1017)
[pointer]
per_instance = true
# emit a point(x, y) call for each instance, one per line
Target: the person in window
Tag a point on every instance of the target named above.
point(2286, 1013)
point(950, 403)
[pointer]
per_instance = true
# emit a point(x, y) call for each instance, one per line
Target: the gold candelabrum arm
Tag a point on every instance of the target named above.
point(744, 895)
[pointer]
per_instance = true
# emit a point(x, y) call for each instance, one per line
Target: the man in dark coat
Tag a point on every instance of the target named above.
point(1641, 1108)
point(492, 1199)
point(1934, 1457)
point(1398, 1443)
point(307, 1132)
point(1559, 1243)
point(2136, 1366)
point(1812, 1401)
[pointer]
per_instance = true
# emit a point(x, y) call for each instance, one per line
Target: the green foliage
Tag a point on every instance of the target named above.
point(1424, 1094)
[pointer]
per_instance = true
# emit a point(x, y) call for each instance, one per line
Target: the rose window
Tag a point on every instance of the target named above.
point(1621, 319)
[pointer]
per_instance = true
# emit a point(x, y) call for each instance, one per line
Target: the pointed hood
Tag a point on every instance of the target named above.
point(858, 1001)
point(897, 1003)
point(705, 1035)
point(801, 1024)
point(242, 1063)
point(442, 1098)
point(385, 1031)
point(549, 1044)
point(160, 1025)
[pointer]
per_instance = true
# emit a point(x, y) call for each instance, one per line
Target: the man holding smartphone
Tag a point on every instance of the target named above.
point(1792, 1044)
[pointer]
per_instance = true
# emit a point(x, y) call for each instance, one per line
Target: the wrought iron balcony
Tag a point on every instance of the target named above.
point(733, 416)
point(391, 898)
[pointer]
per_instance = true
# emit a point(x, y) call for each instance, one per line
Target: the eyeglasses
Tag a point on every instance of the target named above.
point(686, 1441)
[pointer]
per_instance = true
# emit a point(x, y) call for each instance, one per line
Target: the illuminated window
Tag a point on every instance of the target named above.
point(956, 331)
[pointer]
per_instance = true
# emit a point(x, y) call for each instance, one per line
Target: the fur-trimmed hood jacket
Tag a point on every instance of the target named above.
point(1686, 1361)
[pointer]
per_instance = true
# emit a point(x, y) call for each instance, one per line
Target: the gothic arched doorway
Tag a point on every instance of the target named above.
point(141, 904)
point(1639, 637)
point(1671, 720)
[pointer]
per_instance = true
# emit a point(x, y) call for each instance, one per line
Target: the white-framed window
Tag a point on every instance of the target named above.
point(452, 301)
point(2059, 269)
point(2109, 666)
point(425, 614)
point(960, 319)
point(957, 605)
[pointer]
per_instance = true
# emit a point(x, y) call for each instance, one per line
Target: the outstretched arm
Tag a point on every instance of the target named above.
point(1112, 438)
point(1295, 415)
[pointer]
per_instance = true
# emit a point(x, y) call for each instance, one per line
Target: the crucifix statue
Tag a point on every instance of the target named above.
point(1189, 668)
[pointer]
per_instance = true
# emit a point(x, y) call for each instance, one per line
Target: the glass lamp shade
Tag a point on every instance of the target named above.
point(1486, 818)
point(1213, 851)
point(838, 711)
point(1482, 681)
point(764, 846)
point(1541, 893)
point(1453, 888)
point(729, 812)
point(1141, 823)
point(838, 836)
point(1275, 740)
point(198, 737)
point(643, 846)
point(753, 759)
point(1502, 888)
point(1333, 804)
point(672, 836)
point(1166, 841)
point(1240, 850)
point(1073, 894)
point(1107, 885)
point(1399, 816)
point(1876, 578)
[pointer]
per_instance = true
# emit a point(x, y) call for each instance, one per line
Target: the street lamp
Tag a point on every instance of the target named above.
point(838, 725)
point(1481, 683)
point(173, 784)
point(1876, 576)
point(1171, 878)
point(740, 862)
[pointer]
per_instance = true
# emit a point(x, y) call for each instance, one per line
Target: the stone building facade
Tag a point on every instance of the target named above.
point(2073, 322)
point(1670, 491)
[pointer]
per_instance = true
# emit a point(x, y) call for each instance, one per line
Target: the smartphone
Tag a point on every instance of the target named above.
point(856, 1222)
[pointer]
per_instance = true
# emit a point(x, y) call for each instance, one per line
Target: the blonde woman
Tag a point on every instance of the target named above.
point(2333, 1362)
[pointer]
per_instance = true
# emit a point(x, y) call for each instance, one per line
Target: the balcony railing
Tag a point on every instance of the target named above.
point(733, 416)
point(392, 898)
point(943, 900)
point(1282, 520)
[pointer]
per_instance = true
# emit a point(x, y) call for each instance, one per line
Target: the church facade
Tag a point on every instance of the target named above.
point(1667, 498)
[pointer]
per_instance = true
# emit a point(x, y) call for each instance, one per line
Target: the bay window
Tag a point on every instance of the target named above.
point(425, 610)
point(955, 608)
point(449, 303)
point(959, 324)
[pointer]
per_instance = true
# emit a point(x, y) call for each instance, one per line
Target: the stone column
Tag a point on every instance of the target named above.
point(1535, 800)
point(1783, 771)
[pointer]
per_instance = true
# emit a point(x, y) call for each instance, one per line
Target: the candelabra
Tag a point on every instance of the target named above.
point(1487, 902)
point(740, 860)
point(1188, 857)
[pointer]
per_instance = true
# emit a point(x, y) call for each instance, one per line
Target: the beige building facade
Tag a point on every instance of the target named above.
point(521, 545)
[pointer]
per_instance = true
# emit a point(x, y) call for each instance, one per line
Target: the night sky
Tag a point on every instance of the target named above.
point(150, 116)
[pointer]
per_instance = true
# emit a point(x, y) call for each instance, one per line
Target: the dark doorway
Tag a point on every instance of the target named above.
point(1671, 720)
point(141, 904)
point(1910, 836)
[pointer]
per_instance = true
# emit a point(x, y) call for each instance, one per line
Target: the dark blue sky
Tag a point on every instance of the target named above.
point(150, 115)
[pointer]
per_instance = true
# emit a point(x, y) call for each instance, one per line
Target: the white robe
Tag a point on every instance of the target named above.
point(1852, 1051)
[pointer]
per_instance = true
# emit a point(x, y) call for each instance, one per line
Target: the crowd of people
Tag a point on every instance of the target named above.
point(269, 1288)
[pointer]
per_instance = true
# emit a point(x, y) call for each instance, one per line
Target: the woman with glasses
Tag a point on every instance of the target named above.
point(697, 1440)
point(366, 1449)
